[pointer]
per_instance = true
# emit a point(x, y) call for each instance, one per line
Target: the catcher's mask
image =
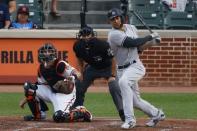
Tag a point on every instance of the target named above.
point(114, 13)
point(86, 31)
point(47, 53)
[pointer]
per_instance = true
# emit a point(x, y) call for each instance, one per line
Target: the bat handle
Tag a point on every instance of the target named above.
point(150, 31)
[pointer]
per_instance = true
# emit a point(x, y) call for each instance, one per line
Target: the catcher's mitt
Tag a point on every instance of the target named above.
point(65, 86)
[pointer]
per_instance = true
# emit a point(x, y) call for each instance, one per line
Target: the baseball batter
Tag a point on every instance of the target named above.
point(52, 73)
point(125, 43)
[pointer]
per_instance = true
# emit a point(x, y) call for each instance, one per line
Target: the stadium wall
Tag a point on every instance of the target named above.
point(173, 63)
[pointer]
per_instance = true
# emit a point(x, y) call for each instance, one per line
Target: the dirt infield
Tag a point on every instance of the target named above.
point(98, 124)
point(104, 88)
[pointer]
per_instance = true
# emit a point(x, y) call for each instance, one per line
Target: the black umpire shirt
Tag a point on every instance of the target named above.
point(95, 52)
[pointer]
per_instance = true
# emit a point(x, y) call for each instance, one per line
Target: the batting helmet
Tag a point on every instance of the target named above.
point(47, 53)
point(114, 13)
point(85, 31)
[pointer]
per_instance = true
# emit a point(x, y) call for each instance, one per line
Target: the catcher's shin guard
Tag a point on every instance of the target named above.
point(31, 117)
point(35, 108)
point(33, 102)
point(43, 108)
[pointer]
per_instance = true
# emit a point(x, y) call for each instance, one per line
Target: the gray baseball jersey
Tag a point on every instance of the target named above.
point(116, 39)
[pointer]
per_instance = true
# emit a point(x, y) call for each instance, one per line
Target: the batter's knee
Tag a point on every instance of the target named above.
point(123, 82)
point(60, 116)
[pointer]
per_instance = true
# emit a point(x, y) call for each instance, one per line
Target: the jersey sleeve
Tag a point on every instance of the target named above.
point(64, 69)
point(117, 37)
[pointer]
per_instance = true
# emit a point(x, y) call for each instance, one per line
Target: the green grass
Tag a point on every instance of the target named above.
point(179, 105)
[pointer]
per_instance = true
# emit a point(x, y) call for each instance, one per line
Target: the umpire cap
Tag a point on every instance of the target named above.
point(114, 13)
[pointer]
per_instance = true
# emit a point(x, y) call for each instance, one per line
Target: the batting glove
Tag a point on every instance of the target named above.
point(157, 41)
point(154, 35)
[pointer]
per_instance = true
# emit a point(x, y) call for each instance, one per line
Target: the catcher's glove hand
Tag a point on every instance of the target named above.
point(65, 86)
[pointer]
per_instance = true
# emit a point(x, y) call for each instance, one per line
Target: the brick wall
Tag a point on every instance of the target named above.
point(173, 63)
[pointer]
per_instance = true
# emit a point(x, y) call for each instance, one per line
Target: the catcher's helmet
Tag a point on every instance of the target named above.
point(85, 31)
point(47, 53)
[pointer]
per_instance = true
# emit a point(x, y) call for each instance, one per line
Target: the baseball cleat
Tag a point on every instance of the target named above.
point(128, 125)
point(28, 118)
point(32, 118)
point(87, 114)
point(154, 120)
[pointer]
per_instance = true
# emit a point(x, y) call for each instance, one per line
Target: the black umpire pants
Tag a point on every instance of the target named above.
point(89, 75)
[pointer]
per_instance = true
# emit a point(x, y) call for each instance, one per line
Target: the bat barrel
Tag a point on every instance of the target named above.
point(142, 21)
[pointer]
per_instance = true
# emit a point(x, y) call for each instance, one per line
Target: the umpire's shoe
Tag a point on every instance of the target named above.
point(154, 120)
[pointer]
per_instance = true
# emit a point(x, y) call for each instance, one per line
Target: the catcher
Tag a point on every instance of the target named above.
point(56, 84)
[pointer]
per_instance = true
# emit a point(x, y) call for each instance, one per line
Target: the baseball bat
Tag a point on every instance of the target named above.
point(142, 21)
point(139, 17)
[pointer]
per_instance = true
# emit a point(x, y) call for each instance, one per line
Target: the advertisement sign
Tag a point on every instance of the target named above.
point(19, 57)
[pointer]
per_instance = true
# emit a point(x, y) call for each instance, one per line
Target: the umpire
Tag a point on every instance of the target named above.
point(95, 60)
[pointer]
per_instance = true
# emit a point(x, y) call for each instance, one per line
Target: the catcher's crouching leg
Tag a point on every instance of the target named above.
point(36, 105)
point(78, 114)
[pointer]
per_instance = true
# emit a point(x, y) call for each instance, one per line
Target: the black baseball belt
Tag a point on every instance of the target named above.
point(126, 65)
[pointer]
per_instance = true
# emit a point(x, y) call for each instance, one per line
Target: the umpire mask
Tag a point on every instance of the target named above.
point(86, 31)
